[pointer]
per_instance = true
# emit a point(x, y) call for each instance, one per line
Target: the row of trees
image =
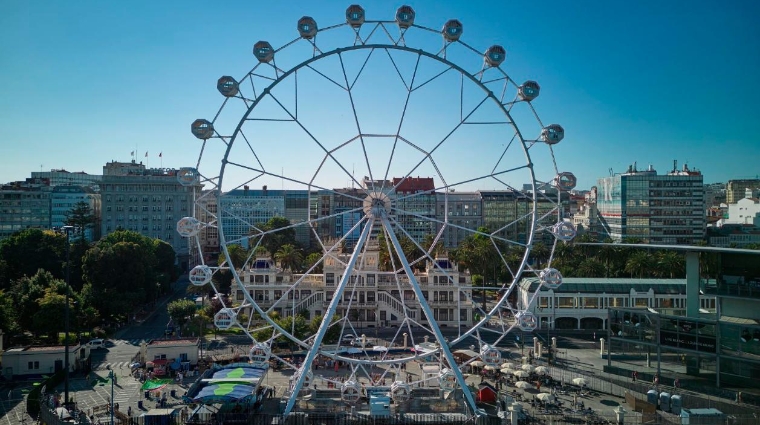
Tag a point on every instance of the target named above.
point(109, 279)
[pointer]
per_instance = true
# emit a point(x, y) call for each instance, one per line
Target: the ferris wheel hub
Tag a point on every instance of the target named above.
point(377, 204)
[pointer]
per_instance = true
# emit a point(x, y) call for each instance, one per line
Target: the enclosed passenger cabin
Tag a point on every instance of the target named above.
point(227, 86)
point(307, 27)
point(355, 16)
point(528, 91)
point(452, 30)
point(202, 129)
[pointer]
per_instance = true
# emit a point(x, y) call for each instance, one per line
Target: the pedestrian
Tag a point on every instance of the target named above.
point(129, 411)
point(633, 376)
point(676, 383)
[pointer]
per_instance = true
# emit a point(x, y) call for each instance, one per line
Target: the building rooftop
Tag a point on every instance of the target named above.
point(177, 341)
point(41, 348)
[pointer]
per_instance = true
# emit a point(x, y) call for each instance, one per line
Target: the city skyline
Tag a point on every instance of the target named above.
point(643, 92)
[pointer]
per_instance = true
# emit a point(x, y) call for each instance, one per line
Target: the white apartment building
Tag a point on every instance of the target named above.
point(373, 298)
point(744, 211)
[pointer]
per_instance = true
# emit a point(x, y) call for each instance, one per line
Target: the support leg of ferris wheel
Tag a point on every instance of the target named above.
point(327, 318)
point(429, 314)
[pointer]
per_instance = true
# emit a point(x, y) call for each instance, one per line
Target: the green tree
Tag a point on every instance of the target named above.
point(333, 332)
point(82, 218)
point(639, 263)
point(311, 260)
point(121, 275)
point(591, 267)
point(290, 257)
point(237, 258)
point(26, 251)
point(277, 232)
point(181, 311)
point(670, 264)
point(48, 319)
point(26, 293)
point(540, 253)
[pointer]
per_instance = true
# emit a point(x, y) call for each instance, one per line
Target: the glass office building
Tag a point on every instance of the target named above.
point(658, 209)
point(701, 352)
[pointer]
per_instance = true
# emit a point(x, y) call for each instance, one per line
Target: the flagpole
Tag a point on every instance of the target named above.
point(161, 155)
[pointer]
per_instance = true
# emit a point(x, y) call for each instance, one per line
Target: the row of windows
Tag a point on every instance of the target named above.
point(607, 302)
point(144, 208)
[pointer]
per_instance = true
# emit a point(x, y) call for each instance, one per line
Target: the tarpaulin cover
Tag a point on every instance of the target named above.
point(224, 392)
point(155, 384)
point(239, 372)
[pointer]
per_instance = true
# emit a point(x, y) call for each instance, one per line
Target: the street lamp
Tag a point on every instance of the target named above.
point(68, 230)
point(111, 376)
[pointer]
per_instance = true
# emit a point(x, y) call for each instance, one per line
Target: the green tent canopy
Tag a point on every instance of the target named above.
point(155, 384)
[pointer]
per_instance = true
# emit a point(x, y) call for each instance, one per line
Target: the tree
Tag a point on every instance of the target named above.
point(121, 276)
point(237, 257)
point(181, 311)
point(25, 252)
point(47, 320)
point(26, 293)
point(540, 253)
point(81, 217)
point(290, 257)
point(671, 263)
point(639, 263)
point(311, 260)
point(278, 233)
point(591, 267)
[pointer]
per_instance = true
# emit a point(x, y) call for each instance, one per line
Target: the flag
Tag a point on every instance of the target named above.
point(160, 154)
point(146, 154)
point(133, 153)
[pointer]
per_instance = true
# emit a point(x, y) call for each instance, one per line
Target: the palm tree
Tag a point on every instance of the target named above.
point(289, 256)
point(639, 263)
point(238, 255)
point(591, 267)
point(671, 263)
point(540, 253)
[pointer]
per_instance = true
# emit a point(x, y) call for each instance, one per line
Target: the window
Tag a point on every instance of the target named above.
point(33, 366)
point(565, 302)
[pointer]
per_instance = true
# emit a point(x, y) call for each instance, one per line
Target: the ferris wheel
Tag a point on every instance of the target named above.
point(385, 145)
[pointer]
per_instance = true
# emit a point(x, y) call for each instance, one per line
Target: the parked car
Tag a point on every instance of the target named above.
point(348, 338)
point(97, 344)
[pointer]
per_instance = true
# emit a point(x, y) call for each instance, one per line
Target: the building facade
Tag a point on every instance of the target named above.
point(461, 211)
point(67, 178)
point(149, 201)
point(736, 189)
point(241, 209)
point(376, 300)
point(64, 198)
point(657, 209)
point(24, 205)
point(584, 303)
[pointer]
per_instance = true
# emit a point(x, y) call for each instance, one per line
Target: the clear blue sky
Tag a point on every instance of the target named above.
point(83, 83)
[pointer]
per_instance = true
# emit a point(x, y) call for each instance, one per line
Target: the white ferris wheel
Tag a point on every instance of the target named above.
point(380, 132)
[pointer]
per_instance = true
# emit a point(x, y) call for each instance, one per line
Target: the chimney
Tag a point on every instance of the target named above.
point(264, 189)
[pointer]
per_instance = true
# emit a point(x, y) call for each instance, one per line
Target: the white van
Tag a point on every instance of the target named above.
point(96, 344)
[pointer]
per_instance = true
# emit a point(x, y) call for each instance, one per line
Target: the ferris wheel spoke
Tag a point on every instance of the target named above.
point(353, 108)
point(430, 153)
point(403, 112)
point(327, 78)
point(315, 140)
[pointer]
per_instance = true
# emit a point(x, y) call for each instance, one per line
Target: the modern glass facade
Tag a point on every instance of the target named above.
point(664, 209)
point(700, 352)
